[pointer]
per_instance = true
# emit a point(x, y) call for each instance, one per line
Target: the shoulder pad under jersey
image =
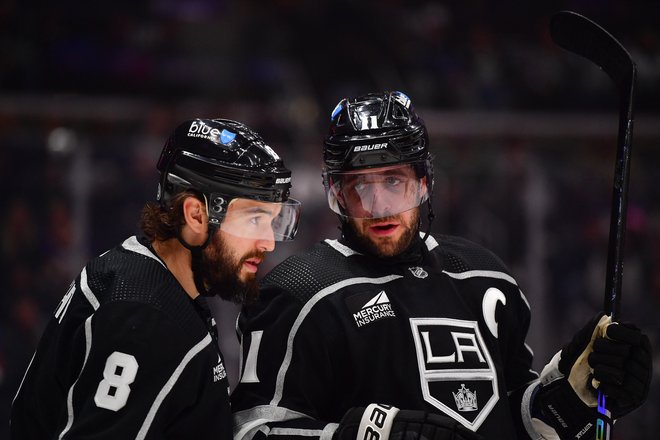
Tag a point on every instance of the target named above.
point(131, 272)
point(303, 275)
point(462, 255)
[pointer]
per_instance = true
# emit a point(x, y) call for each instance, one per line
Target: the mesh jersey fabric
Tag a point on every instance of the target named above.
point(124, 301)
point(335, 329)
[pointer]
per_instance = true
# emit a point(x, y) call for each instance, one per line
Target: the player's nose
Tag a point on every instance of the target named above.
point(267, 242)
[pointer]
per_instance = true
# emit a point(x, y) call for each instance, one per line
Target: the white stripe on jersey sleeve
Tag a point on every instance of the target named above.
point(69, 399)
point(24, 376)
point(329, 431)
point(250, 421)
point(536, 429)
point(346, 251)
point(279, 385)
point(170, 384)
point(132, 244)
point(87, 291)
point(341, 248)
point(481, 273)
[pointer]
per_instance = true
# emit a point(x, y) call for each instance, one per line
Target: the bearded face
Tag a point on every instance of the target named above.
point(387, 236)
point(227, 273)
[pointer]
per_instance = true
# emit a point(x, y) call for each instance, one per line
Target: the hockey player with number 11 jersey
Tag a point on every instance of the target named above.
point(392, 332)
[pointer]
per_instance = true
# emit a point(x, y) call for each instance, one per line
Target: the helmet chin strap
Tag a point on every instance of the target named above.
point(430, 216)
point(196, 257)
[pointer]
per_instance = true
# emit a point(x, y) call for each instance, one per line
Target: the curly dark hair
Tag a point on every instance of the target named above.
point(160, 223)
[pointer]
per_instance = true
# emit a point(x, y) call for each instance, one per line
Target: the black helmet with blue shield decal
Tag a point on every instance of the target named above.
point(225, 160)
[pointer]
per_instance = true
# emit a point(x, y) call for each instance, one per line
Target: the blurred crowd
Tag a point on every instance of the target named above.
point(465, 54)
point(90, 91)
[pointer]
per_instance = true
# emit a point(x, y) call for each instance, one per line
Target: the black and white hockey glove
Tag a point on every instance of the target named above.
point(383, 422)
point(613, 356)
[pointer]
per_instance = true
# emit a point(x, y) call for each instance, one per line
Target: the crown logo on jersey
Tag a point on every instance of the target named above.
point(466, 400)
point(418, 272)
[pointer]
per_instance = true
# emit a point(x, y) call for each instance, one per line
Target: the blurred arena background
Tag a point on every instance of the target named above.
point(523, 133)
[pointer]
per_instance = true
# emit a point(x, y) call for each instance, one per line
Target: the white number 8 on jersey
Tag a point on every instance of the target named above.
point(119, 372)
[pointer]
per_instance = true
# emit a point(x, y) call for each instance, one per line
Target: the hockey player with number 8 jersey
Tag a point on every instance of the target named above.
point(132, 350)
point(124, 356)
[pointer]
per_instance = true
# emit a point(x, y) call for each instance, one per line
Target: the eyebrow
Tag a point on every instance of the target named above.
point(258, 210)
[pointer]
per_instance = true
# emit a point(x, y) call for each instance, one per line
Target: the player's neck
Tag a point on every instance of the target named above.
point(178, 260)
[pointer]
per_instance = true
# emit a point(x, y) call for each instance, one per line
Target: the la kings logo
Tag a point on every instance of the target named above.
point(454, 368)
point(369, 307)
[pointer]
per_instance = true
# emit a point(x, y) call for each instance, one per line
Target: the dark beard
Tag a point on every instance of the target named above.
point(219, 273)
point(365, 245)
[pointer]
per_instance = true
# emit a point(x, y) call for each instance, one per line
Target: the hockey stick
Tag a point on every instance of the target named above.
point(582, 36)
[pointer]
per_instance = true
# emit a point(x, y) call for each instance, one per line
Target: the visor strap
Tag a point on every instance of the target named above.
point(430, 216)
point(195, 265)
point(212, 228)
point(196, 257)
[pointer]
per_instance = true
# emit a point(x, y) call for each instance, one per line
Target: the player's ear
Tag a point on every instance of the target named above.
point(422, 186)
point(339, 195)
point(194, 215)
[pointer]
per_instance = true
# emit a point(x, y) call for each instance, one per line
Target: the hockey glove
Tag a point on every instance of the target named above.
point(616, 357)
point(383, 422)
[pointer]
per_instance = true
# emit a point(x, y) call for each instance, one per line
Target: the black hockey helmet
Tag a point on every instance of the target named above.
point(374, 131)
point(225, 160)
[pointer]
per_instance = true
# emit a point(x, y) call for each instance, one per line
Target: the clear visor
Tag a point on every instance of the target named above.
point(271, 221)
point(376, 193)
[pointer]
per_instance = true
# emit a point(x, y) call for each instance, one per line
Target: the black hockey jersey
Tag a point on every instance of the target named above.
point(441, 330)
point(127, 354)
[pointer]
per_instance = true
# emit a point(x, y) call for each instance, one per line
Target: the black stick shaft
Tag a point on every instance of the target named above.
point(584, 37)
point(614, 276)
